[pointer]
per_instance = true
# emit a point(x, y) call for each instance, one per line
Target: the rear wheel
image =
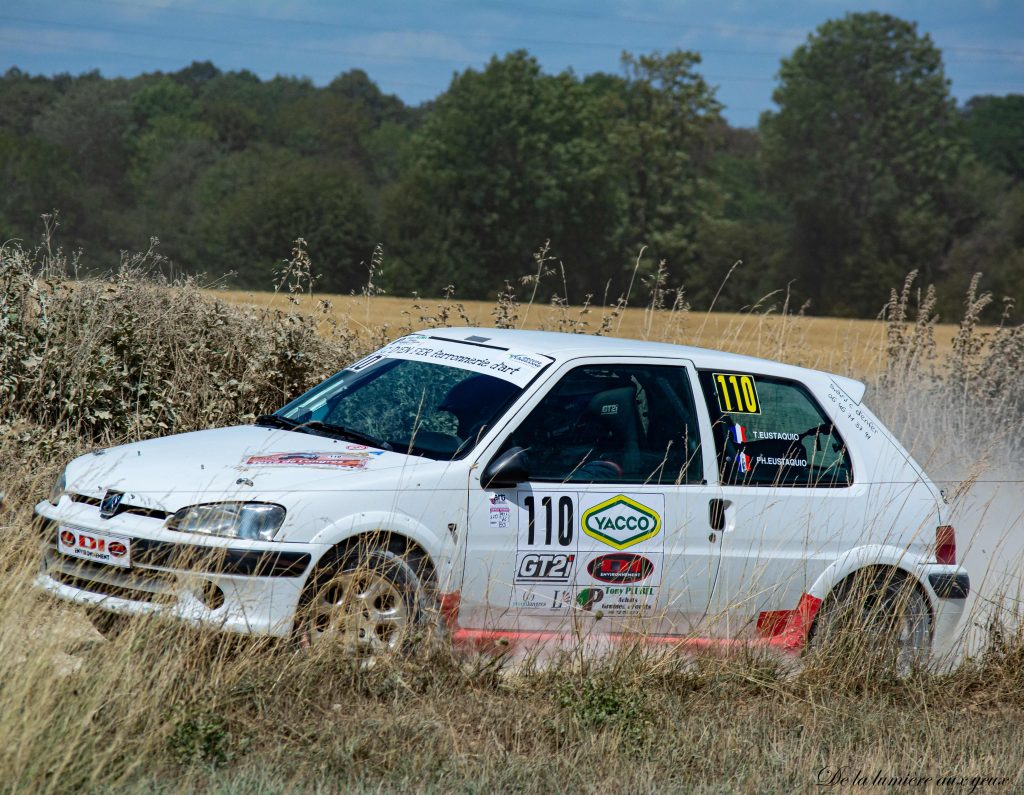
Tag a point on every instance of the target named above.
point(876, 617)
point(365, 602)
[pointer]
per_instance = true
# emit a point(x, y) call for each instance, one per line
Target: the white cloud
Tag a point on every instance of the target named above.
point(428, 44)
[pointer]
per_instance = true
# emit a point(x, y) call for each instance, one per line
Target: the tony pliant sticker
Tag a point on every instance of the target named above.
point(617, 600)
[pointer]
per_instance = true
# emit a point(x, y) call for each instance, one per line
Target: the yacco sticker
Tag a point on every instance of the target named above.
point(620, 567)
point(621, 522)
point(514, 366)
point(737, 393)
point(349, 460)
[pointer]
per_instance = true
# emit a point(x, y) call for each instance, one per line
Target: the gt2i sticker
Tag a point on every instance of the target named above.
point(349, 460)
point(737, 394)
point(622, 522)
point(544, 567)
point(617, 600)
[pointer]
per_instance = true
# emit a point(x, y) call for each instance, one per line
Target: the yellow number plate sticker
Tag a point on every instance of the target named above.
point(737, 394)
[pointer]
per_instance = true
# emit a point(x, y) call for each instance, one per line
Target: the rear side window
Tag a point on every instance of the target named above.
point(772, 432)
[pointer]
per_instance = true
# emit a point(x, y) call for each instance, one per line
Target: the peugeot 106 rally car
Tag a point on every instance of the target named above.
point(517, 486)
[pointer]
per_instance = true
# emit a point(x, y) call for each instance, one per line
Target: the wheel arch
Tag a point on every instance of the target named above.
point(877, 559)
point(392, 530)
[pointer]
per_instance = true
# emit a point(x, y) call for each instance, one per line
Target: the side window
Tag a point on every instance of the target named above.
point(614, 424)
point(771, 432)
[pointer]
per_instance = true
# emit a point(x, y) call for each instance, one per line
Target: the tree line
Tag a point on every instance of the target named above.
point(866, 169)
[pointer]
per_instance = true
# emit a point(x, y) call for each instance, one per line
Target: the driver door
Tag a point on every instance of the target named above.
point(612, 521)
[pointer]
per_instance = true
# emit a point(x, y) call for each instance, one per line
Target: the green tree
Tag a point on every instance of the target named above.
point(995, 128)
point(507, 158)
point(665, 117)
point(862, 148)
point(253, 204)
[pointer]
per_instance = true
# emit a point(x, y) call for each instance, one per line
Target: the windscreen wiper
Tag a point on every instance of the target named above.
point(275, 421)
point(347, 433)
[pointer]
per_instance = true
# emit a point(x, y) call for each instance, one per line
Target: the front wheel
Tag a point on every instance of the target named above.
point(366, 602)
point(881, 618)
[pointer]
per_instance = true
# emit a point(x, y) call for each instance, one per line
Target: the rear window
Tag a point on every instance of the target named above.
point(772, 432)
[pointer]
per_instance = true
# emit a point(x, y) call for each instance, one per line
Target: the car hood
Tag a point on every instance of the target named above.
point(241, 462)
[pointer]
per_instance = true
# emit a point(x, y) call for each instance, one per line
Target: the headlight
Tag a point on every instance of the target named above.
point(255, 521)
point(60, 485)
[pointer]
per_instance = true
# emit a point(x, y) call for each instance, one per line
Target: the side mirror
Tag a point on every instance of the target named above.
point(506, 470)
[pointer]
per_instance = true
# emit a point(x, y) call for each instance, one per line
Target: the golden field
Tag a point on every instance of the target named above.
point(847, 346)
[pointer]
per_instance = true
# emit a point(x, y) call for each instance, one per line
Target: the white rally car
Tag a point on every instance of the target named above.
point(519, 486)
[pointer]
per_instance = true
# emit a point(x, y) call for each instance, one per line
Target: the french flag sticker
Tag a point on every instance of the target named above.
point(743, 460)
point(739, 434)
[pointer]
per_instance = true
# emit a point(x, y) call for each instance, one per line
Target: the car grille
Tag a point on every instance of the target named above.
point(152, 513)
point(138, 585)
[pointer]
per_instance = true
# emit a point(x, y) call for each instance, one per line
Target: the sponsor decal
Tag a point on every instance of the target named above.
point(617, 600)
point(544, 567)
point(110, 503)
point(621, 522)
point(558, 599)
point(622, 567)
point(356, 447)
point(98, 547)
point(739, 434)
point(737, 393)
point(528, 360)
point(515, 366)
point(349, 460)
point(589, 597)
point(499, 512)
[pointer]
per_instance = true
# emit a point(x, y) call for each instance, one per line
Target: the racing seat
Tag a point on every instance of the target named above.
point(615, 410)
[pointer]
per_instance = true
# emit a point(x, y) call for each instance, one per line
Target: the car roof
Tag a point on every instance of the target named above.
point(563, 347)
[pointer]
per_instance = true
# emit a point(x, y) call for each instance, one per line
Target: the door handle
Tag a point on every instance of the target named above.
point(716, 514)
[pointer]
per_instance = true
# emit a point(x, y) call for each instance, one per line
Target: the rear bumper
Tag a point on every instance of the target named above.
point(950, 586)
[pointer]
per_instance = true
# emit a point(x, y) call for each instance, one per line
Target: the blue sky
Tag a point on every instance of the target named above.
point(412, 48)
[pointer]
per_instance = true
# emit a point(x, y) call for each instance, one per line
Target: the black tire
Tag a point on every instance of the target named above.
point(366, 601)
point(109, 625)
point(876, 619)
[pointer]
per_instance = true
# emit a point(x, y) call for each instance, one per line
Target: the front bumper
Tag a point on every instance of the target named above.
point(241, 588)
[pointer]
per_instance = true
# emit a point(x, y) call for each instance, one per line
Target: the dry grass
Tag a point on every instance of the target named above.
point(164, 709)
point(849, 347)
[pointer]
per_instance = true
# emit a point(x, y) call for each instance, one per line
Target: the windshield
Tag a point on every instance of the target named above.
point(403, 398)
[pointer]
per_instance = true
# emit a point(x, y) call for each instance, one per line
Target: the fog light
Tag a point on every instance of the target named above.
point(211, 596)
